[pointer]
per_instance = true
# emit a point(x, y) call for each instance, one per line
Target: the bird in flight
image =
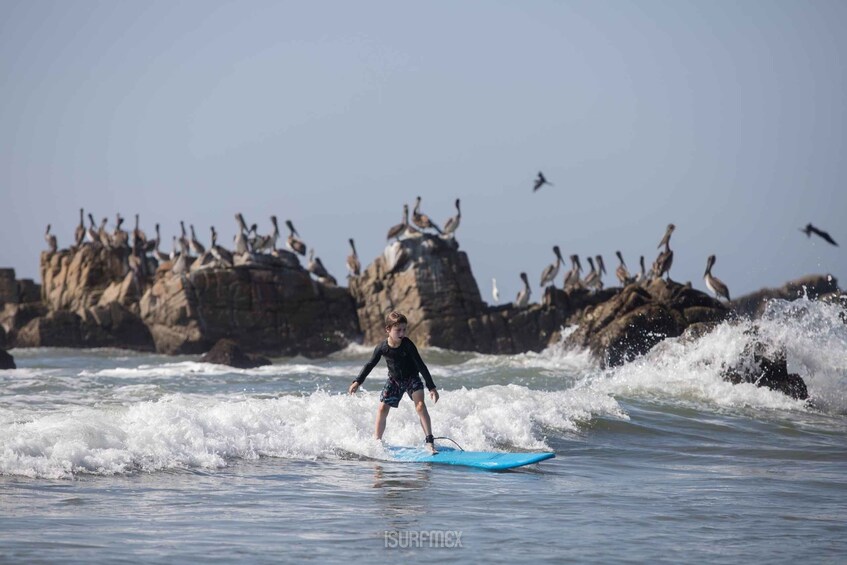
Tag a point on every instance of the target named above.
point(810, 229)
point(540, 181)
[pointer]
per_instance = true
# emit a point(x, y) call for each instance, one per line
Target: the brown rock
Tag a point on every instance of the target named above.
point(227, 352)
point(763, 367)
point(812, 286)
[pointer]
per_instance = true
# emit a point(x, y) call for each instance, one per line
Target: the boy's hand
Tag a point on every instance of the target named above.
point(353, 388)
point(433, 394)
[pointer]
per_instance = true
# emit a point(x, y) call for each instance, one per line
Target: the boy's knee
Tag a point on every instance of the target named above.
point(420, 406)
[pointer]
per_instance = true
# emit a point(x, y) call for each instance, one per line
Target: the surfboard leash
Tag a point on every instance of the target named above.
point(450, 439)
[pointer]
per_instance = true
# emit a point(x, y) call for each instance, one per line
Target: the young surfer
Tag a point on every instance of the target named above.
point(404, 369)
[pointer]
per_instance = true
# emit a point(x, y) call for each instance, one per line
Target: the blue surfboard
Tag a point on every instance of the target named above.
point(491, 460)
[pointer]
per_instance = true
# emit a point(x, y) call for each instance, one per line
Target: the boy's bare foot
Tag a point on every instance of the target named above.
point(431, 448)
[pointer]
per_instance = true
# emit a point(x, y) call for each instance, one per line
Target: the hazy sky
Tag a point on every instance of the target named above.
point(726, 118)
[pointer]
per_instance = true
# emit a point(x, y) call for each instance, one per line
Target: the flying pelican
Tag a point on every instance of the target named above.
point(294, 242)
point(622, 272)
point(397, 230)
point(452, 223)
point(422, 220)
point(551, 270)
point(810, 229)
point(713, 283)
point(540, 181)
point(495, 292)
point(523, 296)
point(50, 238)
point(353, 264)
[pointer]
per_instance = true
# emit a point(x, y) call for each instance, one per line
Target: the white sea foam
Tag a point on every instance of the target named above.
point(811, 333)
point(186, 431)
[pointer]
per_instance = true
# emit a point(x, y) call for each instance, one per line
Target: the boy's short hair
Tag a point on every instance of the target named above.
point(394, 317)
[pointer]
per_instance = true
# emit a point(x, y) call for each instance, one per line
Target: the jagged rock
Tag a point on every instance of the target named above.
point(812, 286)
point(227, 352)
point(111, 325)
point(275, 310)
point(13, 317)
point(761, 366)
point(637, 318)
point(76, 279)
point(6, 361)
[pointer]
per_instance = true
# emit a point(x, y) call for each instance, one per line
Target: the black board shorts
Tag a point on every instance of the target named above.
point(393, 391)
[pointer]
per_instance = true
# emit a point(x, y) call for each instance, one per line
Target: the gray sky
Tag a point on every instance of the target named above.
point(726, 118)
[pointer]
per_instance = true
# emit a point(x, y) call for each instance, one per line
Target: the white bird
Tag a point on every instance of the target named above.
point(495, 292)
point(713, 283)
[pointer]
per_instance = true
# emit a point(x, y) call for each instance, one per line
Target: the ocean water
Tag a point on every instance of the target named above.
point(109, 456)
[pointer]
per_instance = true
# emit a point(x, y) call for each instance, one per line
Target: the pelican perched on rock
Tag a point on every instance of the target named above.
point(452, 223)
point(316, 267)
point(92, 233)
point(524, 294)
point(196, 247)
point(52, 244)
point(240, 238)
point(622, 272)
point(294, 242)
point(397, 230)
point(422, 220)
point(641, 277)
point(713, 283)
point(592, 279)
point(157, 253)
point(551, 270)
point(495, 292)
point(353, 264)
point(103, 235)
point(667, 237)
point(223, 255)
point(120, 238)
point(601, 267)
point(139, 238)
point(79, 233)
point(662, 264)
point(572, 277)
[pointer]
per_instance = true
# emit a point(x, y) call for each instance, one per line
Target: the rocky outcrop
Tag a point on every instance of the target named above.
point(268, 308)
point(812, 286)
point(765, 366)
point(227, 352)
point(6, 361)
point(111, 325)
point(637, 318)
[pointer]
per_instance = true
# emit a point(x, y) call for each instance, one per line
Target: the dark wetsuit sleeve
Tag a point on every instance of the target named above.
point(416, 357)
point(370, 364)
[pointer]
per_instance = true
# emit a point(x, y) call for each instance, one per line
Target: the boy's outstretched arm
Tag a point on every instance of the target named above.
point(354, 386)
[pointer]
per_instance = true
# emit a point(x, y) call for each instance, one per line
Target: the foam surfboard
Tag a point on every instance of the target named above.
point(491, 460)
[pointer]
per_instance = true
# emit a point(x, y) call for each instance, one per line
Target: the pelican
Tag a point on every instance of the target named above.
point(102, 235)
point(495, 292)
point(195, 245)
point(157, 253)
point(523, 296)
point(540, 181)
point(93, 234)
point(641, 276)
point(572, 277)
point(622, 272)
point(592, 279)
point(79, 233)
point(316, 267)
point(810, 229)
point(294, 242)
point(353, 264)
point(452, 223)
point(120, 238)
point(667, 237)
point(50, 238)
point(174, 253)
point(713, 283)
point(139, 238)
point(662, 264)
point(274, 237)
point(397, 230)
point(601, 267)
point(180, 266)
point(240, 236)
point(184, 244)
point(551, 270)
point(223, 256)
point(422, 220)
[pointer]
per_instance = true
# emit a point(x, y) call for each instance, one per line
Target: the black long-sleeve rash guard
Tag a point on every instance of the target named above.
point(404, 362)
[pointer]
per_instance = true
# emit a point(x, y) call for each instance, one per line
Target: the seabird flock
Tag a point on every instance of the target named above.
point(189, 254)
